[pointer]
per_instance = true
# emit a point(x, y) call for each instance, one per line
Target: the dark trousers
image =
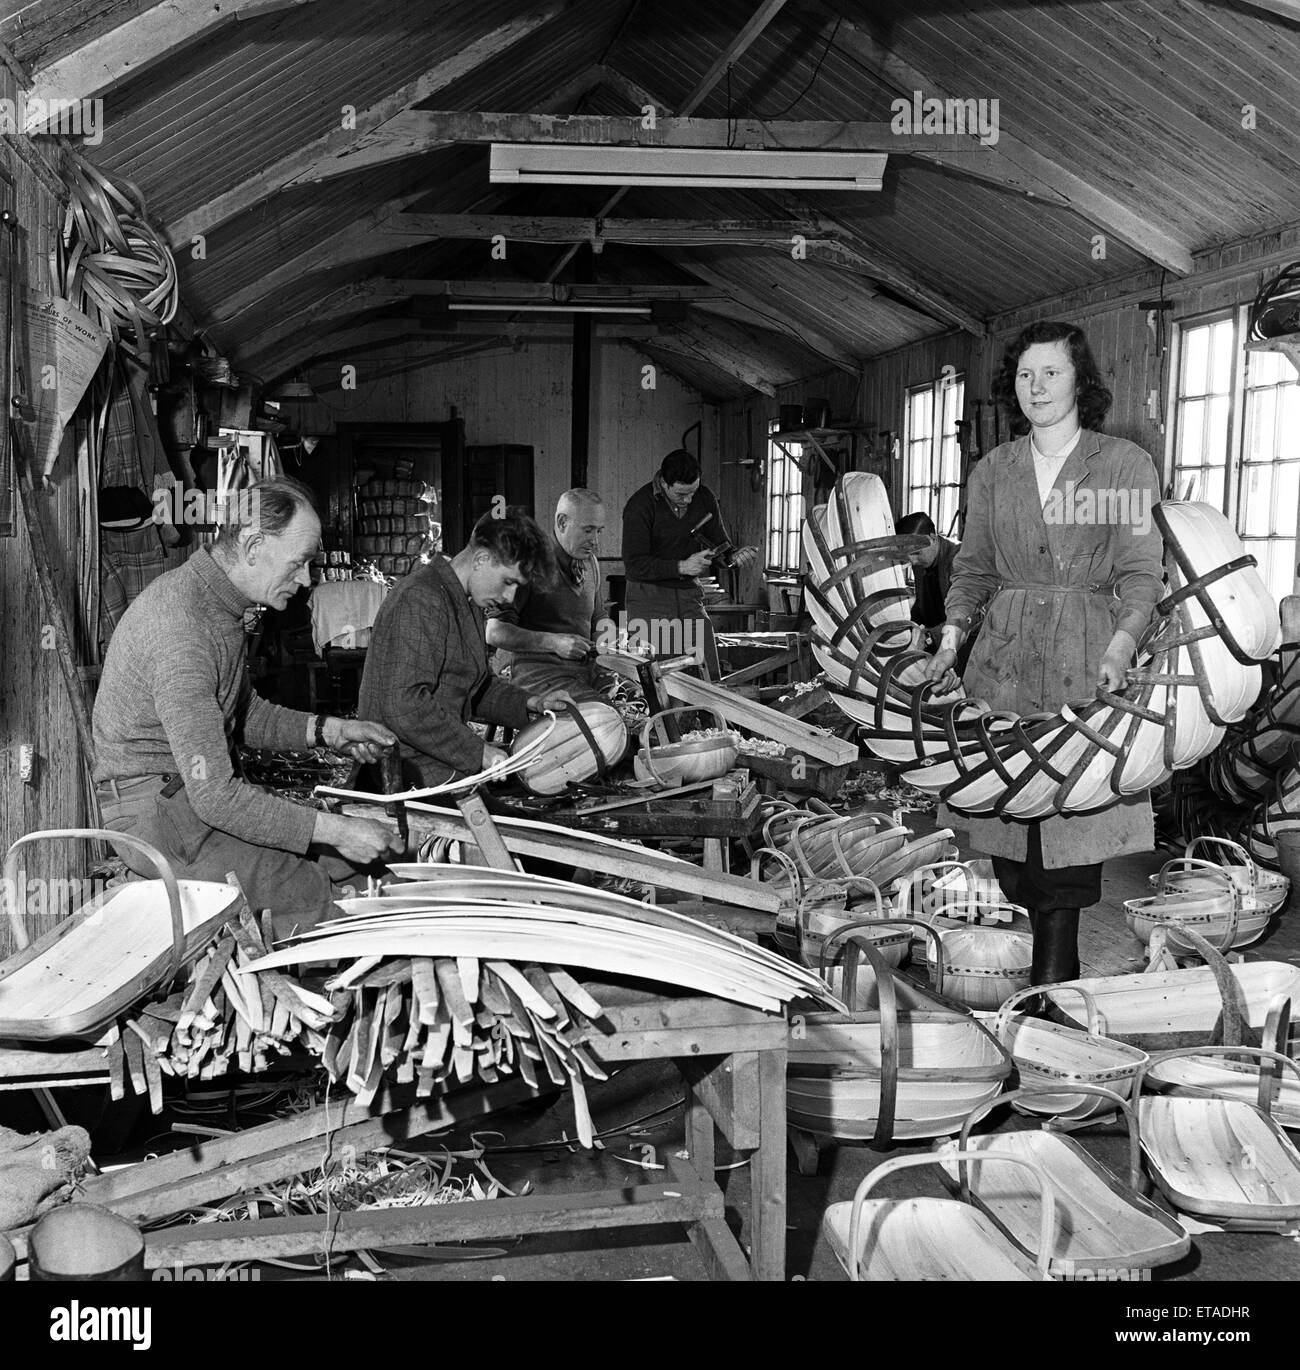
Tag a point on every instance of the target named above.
point(1027, 882)
point(298, 890)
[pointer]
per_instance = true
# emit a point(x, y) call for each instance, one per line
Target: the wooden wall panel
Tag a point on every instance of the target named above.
point(506, 396)
point(34, 708)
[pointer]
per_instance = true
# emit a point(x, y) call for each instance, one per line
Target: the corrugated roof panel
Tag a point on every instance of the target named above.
point(1140, 99)
point(234, 105)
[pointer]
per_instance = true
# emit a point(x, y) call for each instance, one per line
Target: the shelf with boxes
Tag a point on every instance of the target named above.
point(396, 521)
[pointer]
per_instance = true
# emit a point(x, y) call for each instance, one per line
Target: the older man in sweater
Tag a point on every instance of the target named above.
point(175, 698)
point(552, 630)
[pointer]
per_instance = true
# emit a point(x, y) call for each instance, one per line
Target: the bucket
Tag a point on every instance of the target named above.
point(790, 418)
point(8, 1259)
point(1287, 843)
point(85, 1242)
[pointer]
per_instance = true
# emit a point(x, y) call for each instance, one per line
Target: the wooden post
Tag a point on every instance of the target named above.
point(49, 591)
point(580, 418)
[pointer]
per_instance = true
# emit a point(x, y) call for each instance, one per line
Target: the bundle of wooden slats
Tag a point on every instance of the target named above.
point(459, 911)
point(438, 1020)
point(217, 1020)
point(457, 976)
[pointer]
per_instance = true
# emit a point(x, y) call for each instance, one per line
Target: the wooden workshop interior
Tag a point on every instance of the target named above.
point(438, 260)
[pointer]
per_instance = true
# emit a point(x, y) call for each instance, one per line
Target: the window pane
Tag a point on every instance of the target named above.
point(1256, 512)
point(1196, 360)
point(1261, 425)
point(1191, 433)
point(1221, 357)
point(1264, 368)
point(1210, 486)
point(1286, 488)
point(1216, 434)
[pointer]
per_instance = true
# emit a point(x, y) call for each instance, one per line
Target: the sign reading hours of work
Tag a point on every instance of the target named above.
point(63, 350)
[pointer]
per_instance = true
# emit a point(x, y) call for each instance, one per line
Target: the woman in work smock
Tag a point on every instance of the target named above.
point(1062, 551)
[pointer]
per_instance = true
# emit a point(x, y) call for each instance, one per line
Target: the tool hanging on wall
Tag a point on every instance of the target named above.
point(20, 416)
point(10, 224)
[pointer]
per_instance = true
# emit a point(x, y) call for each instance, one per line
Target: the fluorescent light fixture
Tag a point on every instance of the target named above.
point(762, 169)
point(503, 307)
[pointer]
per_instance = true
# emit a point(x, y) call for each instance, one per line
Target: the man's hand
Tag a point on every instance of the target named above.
point(493, 756)
point(569, 646)
point(552, 703)
point(358, 738)
point(360, 840)
point(695, 565)
point(745, 556)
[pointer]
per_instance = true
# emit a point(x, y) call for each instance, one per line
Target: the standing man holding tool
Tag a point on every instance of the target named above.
point(553, 630)
point(426, 674)
point(673, 533)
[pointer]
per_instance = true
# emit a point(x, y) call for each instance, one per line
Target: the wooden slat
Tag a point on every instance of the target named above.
point(369, 1229)
point(758, 718)
point(214, 1169)
point(587, 852)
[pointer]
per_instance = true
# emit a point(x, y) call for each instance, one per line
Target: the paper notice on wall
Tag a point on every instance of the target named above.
point(63, 349)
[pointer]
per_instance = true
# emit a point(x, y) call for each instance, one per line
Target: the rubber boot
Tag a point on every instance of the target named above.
point(1056, 947)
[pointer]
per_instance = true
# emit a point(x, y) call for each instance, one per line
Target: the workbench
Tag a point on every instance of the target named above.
point(717, 821)
point(732, 1061)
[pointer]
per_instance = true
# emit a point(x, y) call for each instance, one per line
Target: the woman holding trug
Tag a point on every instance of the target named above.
point(1061, 546)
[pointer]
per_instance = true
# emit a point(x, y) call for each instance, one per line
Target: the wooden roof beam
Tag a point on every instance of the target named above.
point(419, 130)
point(775, 232)
point(833, 243)
point(711, 342)
point(378, 292)
point(314, 160)
point(365, 336)
point(142, 42)
point(387, 229)
point(850, 249)
point(758, 21)
point(769, 315)
point(1091, 203)
point(1284, 9)
point(357, 241)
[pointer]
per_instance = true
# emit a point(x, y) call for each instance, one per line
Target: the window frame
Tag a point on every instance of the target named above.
point(790, 532)
point(936, 443)
point(1236, 467)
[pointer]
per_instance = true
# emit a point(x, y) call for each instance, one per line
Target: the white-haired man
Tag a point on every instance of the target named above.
point(552, 631)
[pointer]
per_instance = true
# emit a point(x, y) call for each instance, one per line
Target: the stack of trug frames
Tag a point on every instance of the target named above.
point(1197, 669)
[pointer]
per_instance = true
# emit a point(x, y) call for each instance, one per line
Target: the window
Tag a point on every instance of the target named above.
point(932, 455)
point(1247, 467)
point(1204, 410)
point(785, 507)
point(1269, 499)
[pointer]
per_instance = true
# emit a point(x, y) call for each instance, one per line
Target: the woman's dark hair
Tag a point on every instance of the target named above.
point(679, 467)
point(515, 539)
point(1094, 397)
point(915, 523)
